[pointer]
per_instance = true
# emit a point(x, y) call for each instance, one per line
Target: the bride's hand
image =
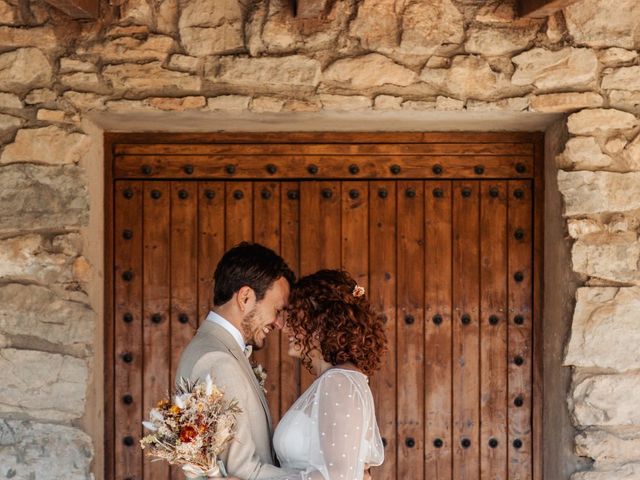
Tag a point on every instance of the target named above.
point(367, 473)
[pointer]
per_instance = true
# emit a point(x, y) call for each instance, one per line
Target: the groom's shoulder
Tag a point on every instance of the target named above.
point(200, 357)
point(224, 369)
point(201, 345)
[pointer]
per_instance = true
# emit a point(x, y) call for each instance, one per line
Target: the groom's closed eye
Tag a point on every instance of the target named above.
point(278, 322)
point(280, 318)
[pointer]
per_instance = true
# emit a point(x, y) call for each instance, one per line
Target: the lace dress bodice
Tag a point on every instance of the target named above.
point(330, 433)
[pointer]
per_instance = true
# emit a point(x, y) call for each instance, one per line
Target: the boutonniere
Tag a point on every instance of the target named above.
point(261, 376)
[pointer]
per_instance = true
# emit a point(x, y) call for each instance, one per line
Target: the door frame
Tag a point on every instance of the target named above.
point(111, 139)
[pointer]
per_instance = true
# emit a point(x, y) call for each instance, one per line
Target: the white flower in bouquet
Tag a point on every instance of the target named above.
point(208, 385)
point(194, 430)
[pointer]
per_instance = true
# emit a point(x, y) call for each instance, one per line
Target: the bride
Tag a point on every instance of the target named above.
point(330, 433)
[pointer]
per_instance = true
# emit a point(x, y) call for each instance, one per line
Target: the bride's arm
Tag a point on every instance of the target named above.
point(337, 433)
point(340, 423)
point(340, 418)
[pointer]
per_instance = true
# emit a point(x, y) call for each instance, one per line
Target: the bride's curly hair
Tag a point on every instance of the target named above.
point(324, 311)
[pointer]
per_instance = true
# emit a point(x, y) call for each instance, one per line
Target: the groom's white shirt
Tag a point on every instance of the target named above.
point(229, 327)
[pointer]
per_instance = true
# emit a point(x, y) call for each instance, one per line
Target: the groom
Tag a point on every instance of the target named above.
point(250, 292)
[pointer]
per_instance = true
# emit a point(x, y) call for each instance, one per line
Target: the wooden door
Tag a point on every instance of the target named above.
point(443, 235)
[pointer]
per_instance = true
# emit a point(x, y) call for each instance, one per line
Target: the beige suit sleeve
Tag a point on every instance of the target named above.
point(240, 459)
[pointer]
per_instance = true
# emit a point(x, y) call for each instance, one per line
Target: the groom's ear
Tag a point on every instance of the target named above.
point(245, 297)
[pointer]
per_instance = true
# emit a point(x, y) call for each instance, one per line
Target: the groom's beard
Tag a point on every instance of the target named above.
point(248, 328)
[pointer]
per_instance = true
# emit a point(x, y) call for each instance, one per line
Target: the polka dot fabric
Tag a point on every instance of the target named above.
point(330, 433)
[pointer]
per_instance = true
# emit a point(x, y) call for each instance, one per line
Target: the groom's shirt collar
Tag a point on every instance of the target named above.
point(229, 327)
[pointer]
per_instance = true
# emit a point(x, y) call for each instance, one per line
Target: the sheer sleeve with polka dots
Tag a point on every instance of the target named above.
point(342, 432)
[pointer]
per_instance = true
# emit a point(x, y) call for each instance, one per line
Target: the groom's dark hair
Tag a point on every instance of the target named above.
point(248, 264)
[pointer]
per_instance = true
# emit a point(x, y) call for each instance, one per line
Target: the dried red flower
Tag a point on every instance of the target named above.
point(188, 433)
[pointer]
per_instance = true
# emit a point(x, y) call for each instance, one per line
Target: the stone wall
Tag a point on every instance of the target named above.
point(368, 56)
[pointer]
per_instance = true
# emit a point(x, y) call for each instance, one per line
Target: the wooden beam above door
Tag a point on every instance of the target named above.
point(78, 9)
point(313, 167)
point(542, 8)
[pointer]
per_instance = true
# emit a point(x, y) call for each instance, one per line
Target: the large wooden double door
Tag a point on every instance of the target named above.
point(443, 235)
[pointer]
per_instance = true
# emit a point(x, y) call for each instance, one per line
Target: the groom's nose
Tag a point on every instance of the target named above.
point(279, 322)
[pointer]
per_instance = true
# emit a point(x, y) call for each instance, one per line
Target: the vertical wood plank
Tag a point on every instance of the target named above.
point(520, 328)
point(537, 306)
point(127, 397)
point(157, 294)
point(355, 230)
point(109, 323)
point(266, 230)
point(290, 251)
point(211, 240)
point(184, 319)
point(466, 374)
point(239, 213)
point(382, 294)
point(410, 331)
point(493, 330)
point(319, 235)
point(184, 268)
point(438, 327)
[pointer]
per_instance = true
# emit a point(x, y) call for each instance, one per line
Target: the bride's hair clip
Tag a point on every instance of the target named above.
point(358, 291)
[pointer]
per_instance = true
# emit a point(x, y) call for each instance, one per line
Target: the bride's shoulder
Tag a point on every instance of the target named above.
point(342, 378)
point(343, 372)
point(348, 389)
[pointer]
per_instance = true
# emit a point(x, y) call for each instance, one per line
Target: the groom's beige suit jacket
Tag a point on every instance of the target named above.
point(214, 351)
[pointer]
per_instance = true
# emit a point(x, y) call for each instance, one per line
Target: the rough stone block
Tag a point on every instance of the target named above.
point(565, 102)
point(470, 77)
point(345, 102)
point(583, 153)
point(599, 192)
point(612, 257)
point(494, 41)
point(36, 315)
point(624, 472)
point(31, 450)
point(368, 71)
point(605, 331)
point(625, 78)
point(549, 70)
point(602, 121)
point(24, 69)
point(616, 445)
point(150, 79)
point(606, 400)
point(41, 385)
point(260, 73)
point(38, 197)
point(602, 23)
point(50, 145)
point(33, 258)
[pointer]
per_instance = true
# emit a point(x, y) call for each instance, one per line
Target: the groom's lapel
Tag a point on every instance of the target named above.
point(230, 343)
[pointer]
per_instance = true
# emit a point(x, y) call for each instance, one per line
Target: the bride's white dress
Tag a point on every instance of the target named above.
point(330, 433)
